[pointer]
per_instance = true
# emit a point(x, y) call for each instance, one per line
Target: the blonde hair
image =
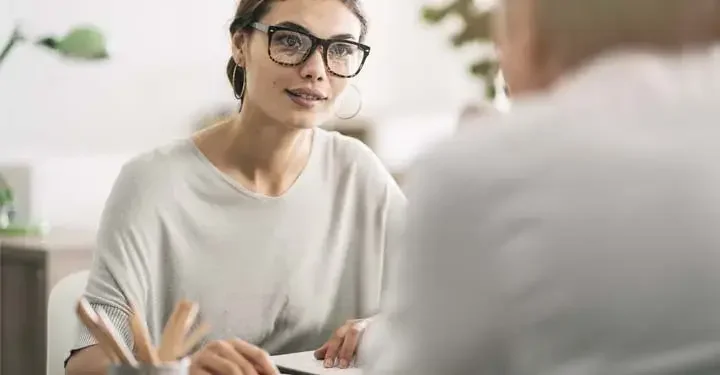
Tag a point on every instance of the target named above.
point(577, 29)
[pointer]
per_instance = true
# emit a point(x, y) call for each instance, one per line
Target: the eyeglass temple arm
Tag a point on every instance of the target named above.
point(260, 27)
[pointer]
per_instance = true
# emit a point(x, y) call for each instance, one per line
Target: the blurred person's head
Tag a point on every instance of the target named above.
point(540, 40)
point(292, 58)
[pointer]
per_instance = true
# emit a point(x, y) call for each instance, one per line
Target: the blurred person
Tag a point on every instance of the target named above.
point(473, 111)
point(577, 234)
point(277, 228)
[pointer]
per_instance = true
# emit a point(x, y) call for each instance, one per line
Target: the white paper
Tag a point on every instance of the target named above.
point(306, 362)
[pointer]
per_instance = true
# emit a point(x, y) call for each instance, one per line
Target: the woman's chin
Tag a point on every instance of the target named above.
point(306, 120)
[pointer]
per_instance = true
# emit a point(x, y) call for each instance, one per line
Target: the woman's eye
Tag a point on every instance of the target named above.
point(291, 41)
point(341, 50)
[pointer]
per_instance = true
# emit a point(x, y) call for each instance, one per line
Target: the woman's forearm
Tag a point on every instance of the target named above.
point(88, 361)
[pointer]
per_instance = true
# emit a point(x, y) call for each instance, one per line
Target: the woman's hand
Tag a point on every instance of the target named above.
point(231, 357)
point(340, 349)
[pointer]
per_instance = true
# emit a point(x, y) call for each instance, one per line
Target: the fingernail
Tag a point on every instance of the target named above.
point(329, 362)
point(343, 363)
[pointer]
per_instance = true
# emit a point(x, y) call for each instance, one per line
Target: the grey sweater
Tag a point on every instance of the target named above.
point(279, 272)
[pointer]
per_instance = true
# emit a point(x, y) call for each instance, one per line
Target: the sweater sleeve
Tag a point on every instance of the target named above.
point(120, 272)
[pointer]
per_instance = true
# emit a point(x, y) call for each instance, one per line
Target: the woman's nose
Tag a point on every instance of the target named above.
point(314, 67)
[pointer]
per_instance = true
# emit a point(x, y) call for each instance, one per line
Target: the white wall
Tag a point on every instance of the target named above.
point(167, 69)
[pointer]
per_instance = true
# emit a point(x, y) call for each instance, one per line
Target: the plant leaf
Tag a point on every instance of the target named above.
point(484, 68)
point(476, 28)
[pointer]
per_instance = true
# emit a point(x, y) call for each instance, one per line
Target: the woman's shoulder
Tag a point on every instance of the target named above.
point(348, 155)
point(158, 167)
point(346, 151)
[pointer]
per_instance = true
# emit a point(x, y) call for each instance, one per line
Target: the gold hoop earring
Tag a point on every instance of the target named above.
point(359, 107)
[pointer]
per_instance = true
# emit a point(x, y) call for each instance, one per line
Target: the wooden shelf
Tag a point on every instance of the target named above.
point(29, 267)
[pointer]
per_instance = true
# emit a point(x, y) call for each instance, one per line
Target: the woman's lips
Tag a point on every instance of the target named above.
point(306, 98)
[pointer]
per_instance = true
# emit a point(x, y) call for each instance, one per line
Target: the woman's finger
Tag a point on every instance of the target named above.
point(320, 352)
point(198, 371)
point(246, 367)
point(332, 350)
point(215, 364)
point(228, 351)
point(257, 357)
point(347, 350)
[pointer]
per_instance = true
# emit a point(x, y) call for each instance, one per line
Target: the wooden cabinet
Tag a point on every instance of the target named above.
point(29, 268)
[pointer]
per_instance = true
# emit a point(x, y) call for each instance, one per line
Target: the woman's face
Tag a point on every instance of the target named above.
point(303, 95)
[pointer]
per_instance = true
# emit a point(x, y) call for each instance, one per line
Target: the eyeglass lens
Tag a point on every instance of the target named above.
point(289, 47)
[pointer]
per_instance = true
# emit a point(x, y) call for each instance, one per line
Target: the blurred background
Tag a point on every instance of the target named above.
point(75, 122)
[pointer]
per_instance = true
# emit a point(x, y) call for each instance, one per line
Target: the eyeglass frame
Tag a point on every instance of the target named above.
point(316, 41)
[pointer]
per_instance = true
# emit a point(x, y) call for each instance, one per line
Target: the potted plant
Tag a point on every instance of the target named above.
point(476, 29)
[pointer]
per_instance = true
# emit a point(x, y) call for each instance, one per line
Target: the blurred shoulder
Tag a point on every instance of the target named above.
point(490, 145)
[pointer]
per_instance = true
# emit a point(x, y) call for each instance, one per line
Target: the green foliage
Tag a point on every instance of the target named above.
point(476, 29)
point(6, 195)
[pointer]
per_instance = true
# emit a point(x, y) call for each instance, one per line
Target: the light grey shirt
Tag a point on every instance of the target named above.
point(279, 272)
point(578, 234)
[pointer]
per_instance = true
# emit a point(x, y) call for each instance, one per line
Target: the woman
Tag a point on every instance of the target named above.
point(278, 229)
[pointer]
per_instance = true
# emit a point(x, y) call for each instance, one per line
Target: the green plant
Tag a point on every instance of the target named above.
point(81, 43)
point(476, 29)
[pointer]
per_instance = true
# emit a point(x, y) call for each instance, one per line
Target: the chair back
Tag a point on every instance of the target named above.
point(62, 322)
